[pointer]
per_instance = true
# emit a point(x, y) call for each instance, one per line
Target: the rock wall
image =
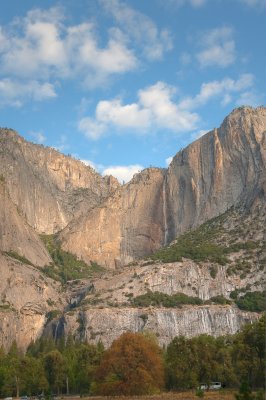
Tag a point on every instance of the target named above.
point(16, 235)
point(217, 171)
point(49, 188)
point(223, 168)
point(128, 225)
point(25, 298)
point(108, 324)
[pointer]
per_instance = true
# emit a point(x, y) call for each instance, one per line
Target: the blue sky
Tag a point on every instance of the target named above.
point(123, 85)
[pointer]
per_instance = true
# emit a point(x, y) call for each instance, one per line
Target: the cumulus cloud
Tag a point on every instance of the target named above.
point(222, 88)
point(42, 47)
point(140, 28)
point(155, 109)
point(14, 93)
point(123, 173)
point(46, 47)
point(91, 128)
point(218, 48)
point(124, 116)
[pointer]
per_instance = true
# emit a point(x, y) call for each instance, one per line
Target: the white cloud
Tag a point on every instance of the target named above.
point(154, 109)
point(91, 128)
point(13, 93)
point(164, 112)
point(168, 161)
point(123, 173)
point(124, 116)
point(218, 48)
point(224, 88)
point(140, 28)
point(40, 47)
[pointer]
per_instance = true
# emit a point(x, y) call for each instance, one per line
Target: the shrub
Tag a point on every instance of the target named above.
point(252, 301)
point(158, 299)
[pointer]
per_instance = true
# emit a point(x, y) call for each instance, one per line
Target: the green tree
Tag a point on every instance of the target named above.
point(181, 369)
point(55, 367)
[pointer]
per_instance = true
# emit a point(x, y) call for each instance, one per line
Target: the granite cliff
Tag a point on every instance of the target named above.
point(197, 228)
point(224, 168)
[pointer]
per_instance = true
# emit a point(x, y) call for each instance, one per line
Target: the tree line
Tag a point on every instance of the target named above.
point(134, 364)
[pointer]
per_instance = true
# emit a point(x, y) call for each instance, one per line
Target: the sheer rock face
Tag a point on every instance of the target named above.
point(25, 298)
point(16, 235)
point(49, 188)
point(107, 324)
point(128, 225)
point(225, 167)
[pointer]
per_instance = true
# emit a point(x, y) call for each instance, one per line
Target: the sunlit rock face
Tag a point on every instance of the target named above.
point(49, 188)
point(127, 226)
point(26, 296)
point(225, 167)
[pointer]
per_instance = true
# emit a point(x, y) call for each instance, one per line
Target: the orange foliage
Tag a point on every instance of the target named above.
point(132, 365)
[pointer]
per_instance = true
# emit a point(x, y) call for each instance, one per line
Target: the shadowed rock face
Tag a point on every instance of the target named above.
point(225, 167)
point(47, 187)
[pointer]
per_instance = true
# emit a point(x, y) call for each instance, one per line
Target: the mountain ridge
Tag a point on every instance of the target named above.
point(212, 197)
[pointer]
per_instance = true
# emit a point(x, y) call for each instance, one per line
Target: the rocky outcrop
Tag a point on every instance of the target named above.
point(26, 296)
point(128, 225)
point(49, 188)
point(223, 168)
point(107, 324)
point(23, 328)
point(16, 235)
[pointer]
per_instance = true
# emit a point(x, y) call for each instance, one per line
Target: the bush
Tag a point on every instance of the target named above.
point(159, 299)
point(252, 301)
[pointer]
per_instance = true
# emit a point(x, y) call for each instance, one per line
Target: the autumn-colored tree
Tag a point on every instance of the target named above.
point(132, 365)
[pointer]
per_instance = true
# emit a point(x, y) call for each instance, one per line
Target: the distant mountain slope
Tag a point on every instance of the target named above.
point(226, 167)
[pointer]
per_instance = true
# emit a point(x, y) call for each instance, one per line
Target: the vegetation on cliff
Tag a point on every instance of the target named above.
point(66, 266)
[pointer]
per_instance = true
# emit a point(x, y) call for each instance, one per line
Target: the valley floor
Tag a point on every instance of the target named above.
point(190, 395)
